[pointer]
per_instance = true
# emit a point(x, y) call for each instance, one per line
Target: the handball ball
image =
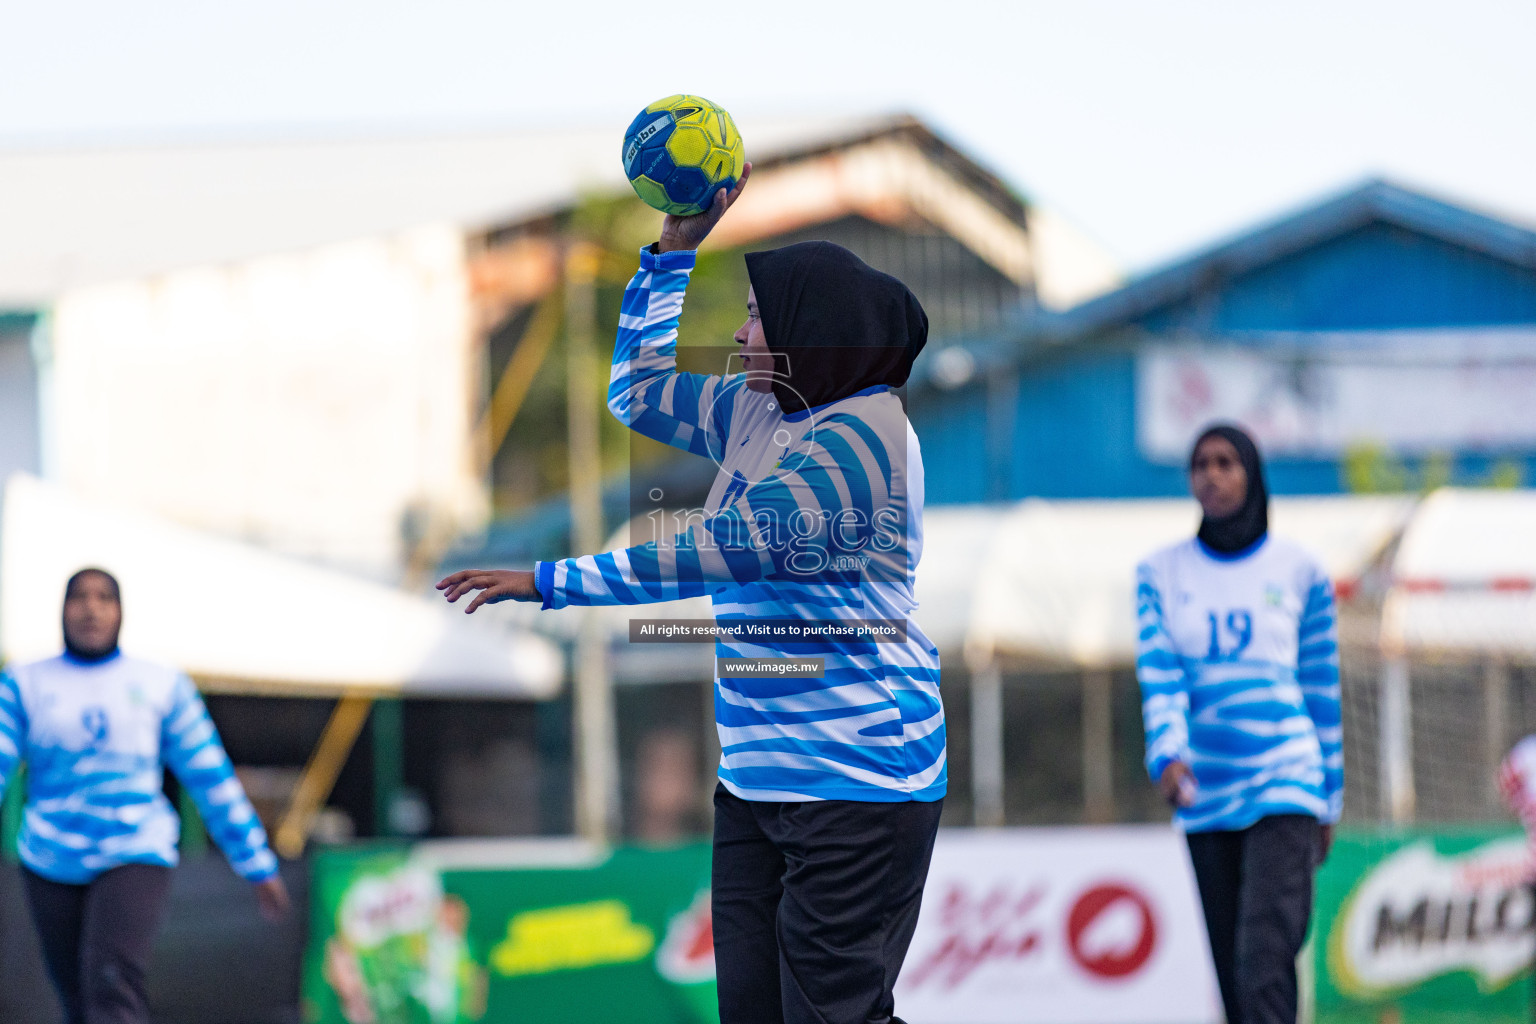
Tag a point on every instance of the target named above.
point(680, 151)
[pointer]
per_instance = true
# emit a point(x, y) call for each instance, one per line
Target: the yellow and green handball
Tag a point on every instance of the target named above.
point(680, 151)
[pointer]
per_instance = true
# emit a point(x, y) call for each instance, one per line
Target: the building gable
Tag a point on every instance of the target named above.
point(1380, 276)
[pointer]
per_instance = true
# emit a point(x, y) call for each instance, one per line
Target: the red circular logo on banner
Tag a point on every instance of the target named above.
point(1122, 955)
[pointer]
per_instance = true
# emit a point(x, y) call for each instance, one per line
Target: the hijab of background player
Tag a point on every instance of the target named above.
point(91, 656)
point(1230, 535)
point(835, 325)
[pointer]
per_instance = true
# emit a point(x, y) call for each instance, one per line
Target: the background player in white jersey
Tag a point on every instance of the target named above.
point(98, 837)
point(830, 788)
point(1238, 663)
point(1517, 784)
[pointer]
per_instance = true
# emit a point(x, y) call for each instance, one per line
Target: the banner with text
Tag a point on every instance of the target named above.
point(1440, 923)
point(1060, 926)
point(1412, 392)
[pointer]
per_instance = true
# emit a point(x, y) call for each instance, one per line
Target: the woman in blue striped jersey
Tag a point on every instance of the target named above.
point(830, 788)
point(98, 838)
point(1238, 662)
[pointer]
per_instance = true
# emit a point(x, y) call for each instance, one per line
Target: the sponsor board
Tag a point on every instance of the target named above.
point(1434, 922)
point(401, 938)
point(1060, 926)
point(1028, 926)
point(390, 946)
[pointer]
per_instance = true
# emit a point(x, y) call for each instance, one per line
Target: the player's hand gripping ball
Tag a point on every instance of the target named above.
point(680, 151)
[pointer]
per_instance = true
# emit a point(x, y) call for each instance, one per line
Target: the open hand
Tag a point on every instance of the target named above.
point(690, 232)
point(494, 585)
point(272, 898)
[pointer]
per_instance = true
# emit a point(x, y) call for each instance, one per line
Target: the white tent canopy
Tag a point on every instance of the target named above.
point(1465, 576)
point(234, 615)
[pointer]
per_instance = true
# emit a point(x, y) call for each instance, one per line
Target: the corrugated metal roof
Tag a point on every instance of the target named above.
point(1372, 202)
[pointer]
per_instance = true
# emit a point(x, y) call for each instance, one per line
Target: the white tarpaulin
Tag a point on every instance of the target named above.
point(1058, 582)
point(1465, 576)
point(233, 614)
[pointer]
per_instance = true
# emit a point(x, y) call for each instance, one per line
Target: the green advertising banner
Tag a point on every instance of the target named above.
point(1425, 927)
point(414, 937)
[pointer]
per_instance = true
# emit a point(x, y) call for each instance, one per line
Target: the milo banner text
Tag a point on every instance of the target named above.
point(1430, 925)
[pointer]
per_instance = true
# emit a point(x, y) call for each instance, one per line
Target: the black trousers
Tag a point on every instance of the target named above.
point(1256, 889)
point(814, 906)
point(96, 940)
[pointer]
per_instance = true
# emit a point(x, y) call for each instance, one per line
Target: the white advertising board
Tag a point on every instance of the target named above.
point(1060, 926)
point(1413, 392)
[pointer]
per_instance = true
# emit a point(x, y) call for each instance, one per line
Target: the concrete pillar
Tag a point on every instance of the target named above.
point(987, 744)
point(1098, 746)
point(1395, 714)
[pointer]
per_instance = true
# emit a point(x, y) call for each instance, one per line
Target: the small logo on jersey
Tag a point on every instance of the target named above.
point(745, 440)
point(1274, 596)
point(97, 729)
point(735, 489)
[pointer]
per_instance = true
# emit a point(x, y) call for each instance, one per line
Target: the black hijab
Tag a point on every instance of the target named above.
point(79, 653)
point(834, 324)
point(1242, 529)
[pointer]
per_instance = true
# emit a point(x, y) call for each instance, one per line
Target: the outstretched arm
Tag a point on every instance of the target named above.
point(756, 536)
point(816, 505)
point(646, 391)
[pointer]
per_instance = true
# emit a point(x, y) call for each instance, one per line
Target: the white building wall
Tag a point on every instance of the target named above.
point(304, 401)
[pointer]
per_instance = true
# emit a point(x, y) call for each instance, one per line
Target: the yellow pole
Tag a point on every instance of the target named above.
point(597, 786)
point(517, 377)
point(320, 775)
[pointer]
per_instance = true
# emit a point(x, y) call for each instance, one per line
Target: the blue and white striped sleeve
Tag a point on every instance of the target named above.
point(779, 527)
point(1163, 678)
point(191, 748)
point(1317, 670)
point(13, 728)
point(646, 391)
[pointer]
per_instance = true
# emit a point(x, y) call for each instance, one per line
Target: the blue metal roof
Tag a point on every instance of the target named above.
point(1375, 202)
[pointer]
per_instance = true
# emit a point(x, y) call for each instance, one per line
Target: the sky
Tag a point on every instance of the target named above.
point(1158, 126)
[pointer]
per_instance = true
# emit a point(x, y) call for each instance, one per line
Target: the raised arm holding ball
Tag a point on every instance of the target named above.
point(677, 234)
point(830, 789)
